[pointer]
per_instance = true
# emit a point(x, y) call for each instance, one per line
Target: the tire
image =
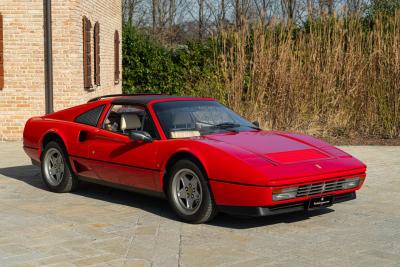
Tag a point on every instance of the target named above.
point(189, 194)
point(56, 170)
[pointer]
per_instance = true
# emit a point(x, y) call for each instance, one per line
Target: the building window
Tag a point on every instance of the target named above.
point(1, 54)
point(116, 57)
point(96, 39)
point(87, 55)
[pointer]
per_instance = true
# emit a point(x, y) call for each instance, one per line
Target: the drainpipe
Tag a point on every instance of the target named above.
point(48, 56)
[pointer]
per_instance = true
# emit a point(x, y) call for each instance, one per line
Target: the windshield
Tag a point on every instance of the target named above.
point(182, 119)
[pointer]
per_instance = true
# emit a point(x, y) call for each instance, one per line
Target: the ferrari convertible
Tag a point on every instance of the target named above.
point(195, 152)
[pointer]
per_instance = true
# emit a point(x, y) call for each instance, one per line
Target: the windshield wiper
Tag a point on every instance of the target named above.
point(226, 125)
point(230, 125)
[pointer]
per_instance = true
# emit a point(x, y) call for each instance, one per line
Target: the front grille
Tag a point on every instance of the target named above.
point(319, 188)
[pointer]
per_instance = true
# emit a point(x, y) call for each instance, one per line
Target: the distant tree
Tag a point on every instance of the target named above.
point(310, 9)
point(201, 18)
point(222, 14)
point(130, 11)
point(388, 7)
point(354, 6)
point(155, 15)
point(238, 13)
point(172, 13)
point(289, 9)
point(262, 7)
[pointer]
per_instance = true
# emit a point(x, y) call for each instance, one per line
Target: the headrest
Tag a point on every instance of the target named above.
point(130, 121)
point(182, 119)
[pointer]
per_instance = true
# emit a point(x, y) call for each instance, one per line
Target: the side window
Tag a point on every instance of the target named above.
point(90, 117)
point(124, 118)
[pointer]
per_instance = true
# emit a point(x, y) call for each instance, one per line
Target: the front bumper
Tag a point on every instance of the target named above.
point(283, 208)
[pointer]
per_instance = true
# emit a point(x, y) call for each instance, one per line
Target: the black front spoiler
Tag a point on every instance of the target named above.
point(279, 209)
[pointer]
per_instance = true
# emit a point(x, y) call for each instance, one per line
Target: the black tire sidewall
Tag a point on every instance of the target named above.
point(207, 208)
point(68, 181)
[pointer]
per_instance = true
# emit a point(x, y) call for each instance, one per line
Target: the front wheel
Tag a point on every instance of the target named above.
point(189, 194)
point(56, 171)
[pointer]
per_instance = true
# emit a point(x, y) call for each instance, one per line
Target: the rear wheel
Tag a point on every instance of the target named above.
point(189, 194)
point(56, 171)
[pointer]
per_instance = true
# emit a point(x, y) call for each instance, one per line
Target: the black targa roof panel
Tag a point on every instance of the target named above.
point(145, 99)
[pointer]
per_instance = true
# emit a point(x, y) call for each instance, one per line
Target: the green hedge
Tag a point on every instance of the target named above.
point(150, 67)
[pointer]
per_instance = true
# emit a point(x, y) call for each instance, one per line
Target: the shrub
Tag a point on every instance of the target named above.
point(155, 68)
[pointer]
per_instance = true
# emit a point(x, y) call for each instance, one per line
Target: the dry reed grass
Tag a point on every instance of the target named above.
point(337, 79)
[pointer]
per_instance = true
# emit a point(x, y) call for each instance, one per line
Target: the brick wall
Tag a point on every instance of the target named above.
point(23, 94)
point(68, 48)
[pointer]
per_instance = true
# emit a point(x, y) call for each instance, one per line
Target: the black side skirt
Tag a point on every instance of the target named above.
point(123, 187)
point(279, 209)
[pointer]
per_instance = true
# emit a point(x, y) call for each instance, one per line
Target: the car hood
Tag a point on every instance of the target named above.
point(269, 158)
point(278, 148)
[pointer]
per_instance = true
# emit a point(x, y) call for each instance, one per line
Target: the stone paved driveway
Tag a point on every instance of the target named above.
point(99, 226)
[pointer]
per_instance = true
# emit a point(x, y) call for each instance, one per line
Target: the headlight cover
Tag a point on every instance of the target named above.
point(284, 193)
point(351, 183)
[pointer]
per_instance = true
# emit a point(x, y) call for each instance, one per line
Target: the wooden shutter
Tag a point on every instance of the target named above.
point(97, 53)
point(116, 57)
point(87, 55)
point(1, 54)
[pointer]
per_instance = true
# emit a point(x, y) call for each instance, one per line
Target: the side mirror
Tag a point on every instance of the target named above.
point(140, 136)
point(256, 123)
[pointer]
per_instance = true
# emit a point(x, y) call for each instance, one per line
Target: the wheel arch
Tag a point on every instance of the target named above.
point(50, 136)
point(175, 158)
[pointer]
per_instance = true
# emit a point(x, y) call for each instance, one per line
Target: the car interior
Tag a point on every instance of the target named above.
point(180, 124)
point(122, 119)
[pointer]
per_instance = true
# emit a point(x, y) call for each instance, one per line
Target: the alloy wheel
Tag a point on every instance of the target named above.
point(54, 166)
point(187, 191)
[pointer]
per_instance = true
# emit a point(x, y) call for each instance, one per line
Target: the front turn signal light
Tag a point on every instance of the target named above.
point(351, 183)
point(284, 193)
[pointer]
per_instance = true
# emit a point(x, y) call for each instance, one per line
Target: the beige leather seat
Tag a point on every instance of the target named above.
point(182, 120)
point(183, 126)
point(130, 121)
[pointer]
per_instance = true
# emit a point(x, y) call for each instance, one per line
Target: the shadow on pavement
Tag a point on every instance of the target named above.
point(32, 176)
point(230, 221)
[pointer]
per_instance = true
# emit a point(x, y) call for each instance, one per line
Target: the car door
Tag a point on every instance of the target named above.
point(125, 161)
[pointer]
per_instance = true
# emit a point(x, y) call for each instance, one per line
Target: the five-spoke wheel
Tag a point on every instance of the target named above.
point(56, 172)
point(54, 166)
point(187, 191)
point(189, 194)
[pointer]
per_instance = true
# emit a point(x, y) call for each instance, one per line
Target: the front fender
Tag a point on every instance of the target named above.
point(221, 161)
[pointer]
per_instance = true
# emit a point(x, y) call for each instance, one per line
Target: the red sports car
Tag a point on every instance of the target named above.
point(196, 152)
